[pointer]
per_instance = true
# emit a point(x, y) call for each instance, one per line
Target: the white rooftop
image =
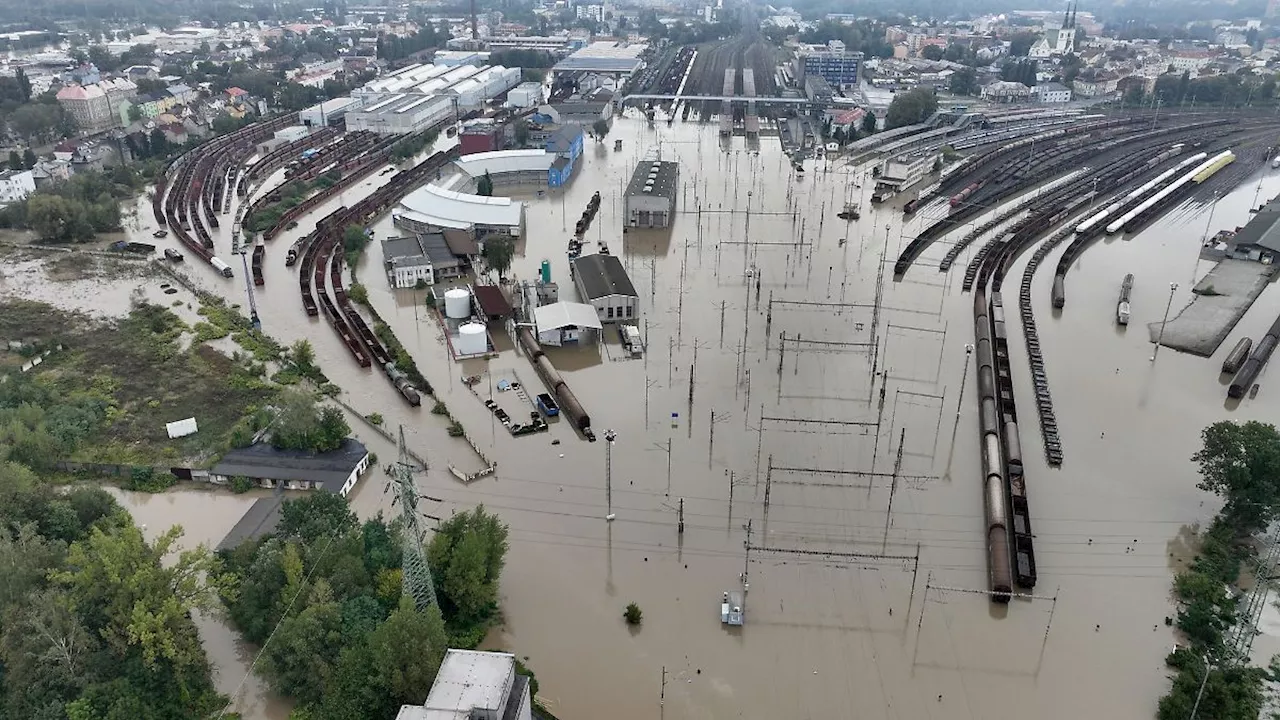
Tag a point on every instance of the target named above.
point(503, 161)
point(449, 208)
point(468, 680)
point(565, 314)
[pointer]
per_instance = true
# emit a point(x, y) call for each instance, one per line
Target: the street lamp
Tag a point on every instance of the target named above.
point(1203, 681)
point(1173, 287)
point(609, 437)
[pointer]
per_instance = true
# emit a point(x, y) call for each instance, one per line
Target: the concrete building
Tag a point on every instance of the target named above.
point(154, 105)
point(425, 257)
point(88, 106)
point(480, 136)
point(518, 167)
point(1052, 92)
point(525, 95)
point(475, 685)
point(328, 112)
point(579, 112)
point(336, 471)
point(16, 185)
point(564, 323)
point(401, 114)
point(1258, 240)
point(182, 94)
point(1006, 92)
point(833, 64)
point(650, 201)
point(602, 282)
point(904, 171)
point(616, 58)
point(818, 90)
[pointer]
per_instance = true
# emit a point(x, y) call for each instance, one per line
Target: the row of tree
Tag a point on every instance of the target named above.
point(910, 107)
point(324, 594)
point(74, 210)
point(1240, 462)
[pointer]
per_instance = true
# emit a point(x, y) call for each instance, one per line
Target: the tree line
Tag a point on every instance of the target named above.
point(353, 645)
point(75, 210)
point(1239, 462)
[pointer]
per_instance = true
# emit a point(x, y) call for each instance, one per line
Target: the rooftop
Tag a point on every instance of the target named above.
point(470, 684)
point(260, 519)
point(403, 252)
point(604, 56)
point(263, 461)
point(492, 302)
point(601, 276)
point(565, 314)
point(451, 209)
point(503, 161)
point(664, 183)
point(1264, 229)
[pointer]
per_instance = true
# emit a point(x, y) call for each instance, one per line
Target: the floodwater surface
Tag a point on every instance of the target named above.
point(758, 405)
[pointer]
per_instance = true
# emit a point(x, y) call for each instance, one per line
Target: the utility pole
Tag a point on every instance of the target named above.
point(609, 436)
point(746, 556)
point(893, 489)
point(1173, 287)
point(416, 578)
point(680, 526)
point(768, 488)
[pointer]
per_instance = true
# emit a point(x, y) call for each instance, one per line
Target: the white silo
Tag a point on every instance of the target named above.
point(472, 339)
point(457, 304)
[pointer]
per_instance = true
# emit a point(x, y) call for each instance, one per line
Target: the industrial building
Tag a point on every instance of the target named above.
point(336, 471)
point(564, 323)
point(1258, 240)
point(902, 172)
point(431, 208)
point(401, 114)
point(603, 283)
point(518, 167)
point(471, 85)
point(328, 112)
point(471, 685)
point(651, 194)
point(619, 59)
point(833, 64)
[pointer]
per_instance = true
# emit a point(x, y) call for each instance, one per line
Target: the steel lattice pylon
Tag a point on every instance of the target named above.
point(1240, 638)
point(415, 573)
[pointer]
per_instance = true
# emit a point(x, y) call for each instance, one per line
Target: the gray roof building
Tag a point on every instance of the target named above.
point(474, 685)
point(600, 276)
point(261, 519)
point(331, 471)
point(1263, 230)
point(664, 183)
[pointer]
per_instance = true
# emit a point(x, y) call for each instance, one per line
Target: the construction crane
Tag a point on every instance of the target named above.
point(415, 574)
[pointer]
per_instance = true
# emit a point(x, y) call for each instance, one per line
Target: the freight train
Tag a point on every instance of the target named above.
point(1252, 367)
point(569, 404)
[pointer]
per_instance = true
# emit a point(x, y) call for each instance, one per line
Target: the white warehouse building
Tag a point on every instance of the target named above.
point(399, 114)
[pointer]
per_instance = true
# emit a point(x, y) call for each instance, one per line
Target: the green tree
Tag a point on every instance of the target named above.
point(353, 241)
point(932, 52)
point(141, 596)
point(466, 555)
point(28, 159)
point(57, 219)
point(964, 82)
point(1240, 462)
point(484, 186)
point(406, 652)
point(15, 160)
point(135, 113)
point(303, 355)
point(910, 108)
point(300, 424)
point(600, 128)
point(521, 132)
point(299, 661)
point(316, 517)
point(499, 252)
point(869, 123)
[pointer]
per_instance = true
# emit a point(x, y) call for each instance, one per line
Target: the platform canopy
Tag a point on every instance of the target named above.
point(565, 314)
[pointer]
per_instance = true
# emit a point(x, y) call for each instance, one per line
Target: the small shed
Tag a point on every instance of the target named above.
point(493, 304)
point(181, 428)
point(563, 323)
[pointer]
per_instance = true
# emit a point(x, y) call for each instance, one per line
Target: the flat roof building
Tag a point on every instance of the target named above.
point(650, 201)
point(425, 257)
point(602, 282)
point(605, 56)
point(400, 114)
point(336, 471)
point(475, 685)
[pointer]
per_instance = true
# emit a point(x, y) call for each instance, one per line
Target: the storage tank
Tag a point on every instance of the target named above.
point(457, 304)
point(472, 339)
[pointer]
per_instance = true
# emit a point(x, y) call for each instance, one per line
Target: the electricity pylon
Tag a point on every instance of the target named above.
point(415, 573)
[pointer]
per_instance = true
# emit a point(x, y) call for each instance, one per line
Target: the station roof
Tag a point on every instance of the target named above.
point(604, 56)
point(565, 314)
point(602, 276)
point(504, 161)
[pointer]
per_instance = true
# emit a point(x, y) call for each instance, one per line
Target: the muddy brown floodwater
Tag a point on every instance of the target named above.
point(858, 626)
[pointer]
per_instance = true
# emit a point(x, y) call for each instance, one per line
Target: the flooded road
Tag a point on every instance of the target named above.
point(850, 604)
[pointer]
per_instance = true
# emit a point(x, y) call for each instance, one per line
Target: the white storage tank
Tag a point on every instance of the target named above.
point(457, 304)
point(472, 339)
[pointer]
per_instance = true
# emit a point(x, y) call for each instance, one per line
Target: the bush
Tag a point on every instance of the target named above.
point(633, 615)
point(358, 293)
point(375, 418)
point(242, 484)
point(455, 429)
point(440, 409)
point(148, 480)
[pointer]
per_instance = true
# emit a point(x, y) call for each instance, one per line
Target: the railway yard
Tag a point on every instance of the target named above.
point(801, 393)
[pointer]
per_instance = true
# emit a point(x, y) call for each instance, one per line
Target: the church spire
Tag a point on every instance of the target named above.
point(1066, 17)
point(1075, 8)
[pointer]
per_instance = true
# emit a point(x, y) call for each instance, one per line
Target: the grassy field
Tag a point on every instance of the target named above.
point(145, 370)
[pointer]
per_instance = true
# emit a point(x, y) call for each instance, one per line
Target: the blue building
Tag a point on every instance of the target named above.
point(566, 144)
point(837, 67)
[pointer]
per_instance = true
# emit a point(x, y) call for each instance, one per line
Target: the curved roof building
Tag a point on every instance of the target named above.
point(432, 207)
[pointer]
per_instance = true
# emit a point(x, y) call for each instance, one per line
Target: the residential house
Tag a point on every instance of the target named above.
point(1190, 60)
point(1096, 86)
point(51, 172)
point(237, 95)
point(153, 105)
point(1006, 92)
point(182, 94)
point(174, 132)
point(423, 257)
point(88, 106)
point(16, 185)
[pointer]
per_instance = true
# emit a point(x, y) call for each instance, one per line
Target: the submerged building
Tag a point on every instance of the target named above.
point(475, 685)
point(651, 194)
